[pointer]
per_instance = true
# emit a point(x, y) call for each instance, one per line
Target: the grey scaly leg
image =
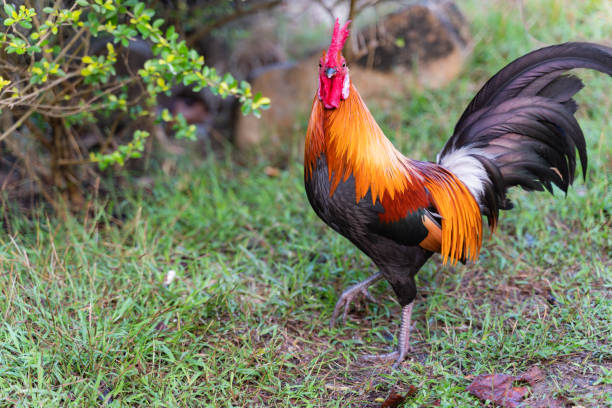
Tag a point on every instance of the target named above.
point(403, 344)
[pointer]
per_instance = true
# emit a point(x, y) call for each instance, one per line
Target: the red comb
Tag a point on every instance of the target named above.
point(338, 39)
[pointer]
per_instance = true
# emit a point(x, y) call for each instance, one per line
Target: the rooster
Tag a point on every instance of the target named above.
point(519, 130)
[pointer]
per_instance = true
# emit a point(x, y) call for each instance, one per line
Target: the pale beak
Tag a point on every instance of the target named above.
point(330, 72)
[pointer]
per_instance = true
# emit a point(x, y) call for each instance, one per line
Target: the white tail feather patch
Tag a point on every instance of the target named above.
point(468, 169)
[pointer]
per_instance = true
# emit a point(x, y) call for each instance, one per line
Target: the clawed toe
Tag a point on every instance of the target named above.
point(381, 357)
point(343, 305)
point(394, 356)
point(348, 296)
point(366, 294)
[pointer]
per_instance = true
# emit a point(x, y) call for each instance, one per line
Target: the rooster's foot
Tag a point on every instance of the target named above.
point(403, 346)
point(347, 297)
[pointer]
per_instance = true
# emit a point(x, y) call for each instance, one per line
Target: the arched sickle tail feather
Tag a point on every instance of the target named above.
point(520, 130)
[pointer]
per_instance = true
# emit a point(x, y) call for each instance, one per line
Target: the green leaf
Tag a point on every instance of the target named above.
point(260, 101)
point(138, 9)
point(9, 9)
point(245, 108)
point(166, 116)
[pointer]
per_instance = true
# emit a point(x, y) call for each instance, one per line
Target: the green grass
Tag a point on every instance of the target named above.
point(85, 316)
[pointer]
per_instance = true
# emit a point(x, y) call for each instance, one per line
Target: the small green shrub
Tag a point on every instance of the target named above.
point(55, 89)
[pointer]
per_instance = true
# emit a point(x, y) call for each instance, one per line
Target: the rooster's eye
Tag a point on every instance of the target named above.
point(320, 65)
point(344, 65)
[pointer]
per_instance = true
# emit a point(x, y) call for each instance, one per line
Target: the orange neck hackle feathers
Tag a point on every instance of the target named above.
point(354, 144)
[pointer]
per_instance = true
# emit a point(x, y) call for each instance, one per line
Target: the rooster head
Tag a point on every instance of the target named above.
point(334, 82)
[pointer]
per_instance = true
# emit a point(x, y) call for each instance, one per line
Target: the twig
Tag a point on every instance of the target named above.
point(18, 123)
point(52, 110)
point(367, 4)
point(38, 134)
point(66, 48)
point(112, 133)
point(34, 17)
point(330, 10)
point(73, 162)
point(24, 99)
point(349, 52)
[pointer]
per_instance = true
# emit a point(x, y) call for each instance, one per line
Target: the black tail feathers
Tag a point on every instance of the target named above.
point(521, 126)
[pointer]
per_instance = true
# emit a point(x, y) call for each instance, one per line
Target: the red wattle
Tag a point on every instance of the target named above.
point(330, 90)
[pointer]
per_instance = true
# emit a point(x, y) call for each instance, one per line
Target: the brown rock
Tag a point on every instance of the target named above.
point(427, 41)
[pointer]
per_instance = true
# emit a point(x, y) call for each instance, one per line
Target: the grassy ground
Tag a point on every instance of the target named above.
point(85, 316)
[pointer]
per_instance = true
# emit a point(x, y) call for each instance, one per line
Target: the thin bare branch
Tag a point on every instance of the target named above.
point(17, 123)
point(348, 53)
point(330, 10)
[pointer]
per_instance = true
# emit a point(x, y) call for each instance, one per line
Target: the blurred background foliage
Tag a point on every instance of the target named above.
point(82, 86)
point(88, 86)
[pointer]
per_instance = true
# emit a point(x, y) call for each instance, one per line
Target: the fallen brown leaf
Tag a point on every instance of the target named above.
point(498, 388)
point(532, 376)
point(412, 391)
point(393, 400)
